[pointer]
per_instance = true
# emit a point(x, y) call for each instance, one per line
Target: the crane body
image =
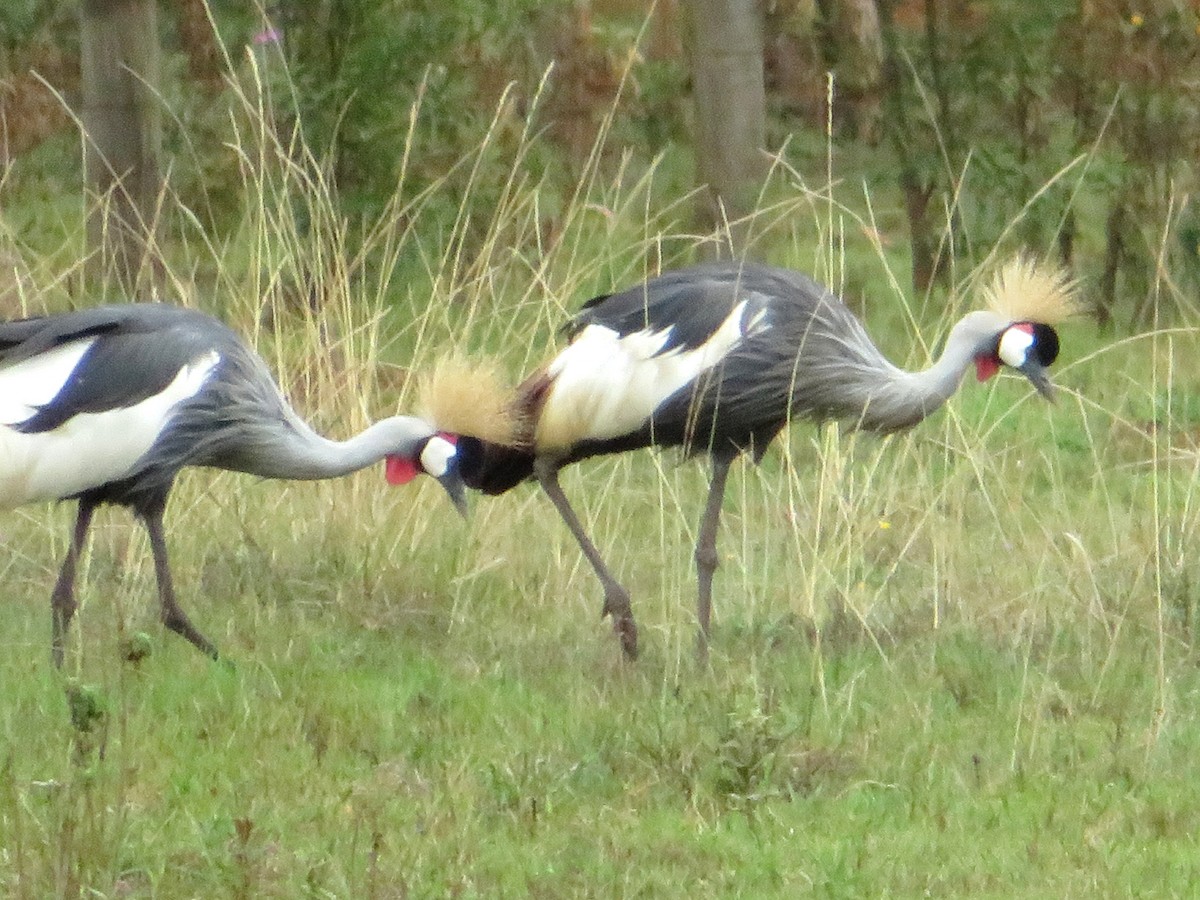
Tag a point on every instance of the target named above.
point(718, 359)
point(107, 405)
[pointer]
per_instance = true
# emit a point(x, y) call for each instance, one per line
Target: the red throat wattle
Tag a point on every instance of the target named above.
point(400, 470)
point(986, 366)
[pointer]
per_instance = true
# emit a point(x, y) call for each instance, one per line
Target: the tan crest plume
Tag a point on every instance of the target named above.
point(465, 397)
point(1025, 290)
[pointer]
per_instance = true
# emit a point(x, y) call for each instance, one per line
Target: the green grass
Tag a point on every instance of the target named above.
point(960, 661)
point(362, 761)
point(992, 695)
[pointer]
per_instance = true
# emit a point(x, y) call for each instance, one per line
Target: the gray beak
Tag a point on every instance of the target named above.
point(453, 484)
point(1039, 378)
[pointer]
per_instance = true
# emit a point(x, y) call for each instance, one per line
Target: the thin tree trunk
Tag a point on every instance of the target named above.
point(934, 49)
point(119, 76)
point(727, 82)
point(899, 130)
point(1066, 239)
point(851, 44)
point(199, 43)
point(1114, 253)
point(922, 242)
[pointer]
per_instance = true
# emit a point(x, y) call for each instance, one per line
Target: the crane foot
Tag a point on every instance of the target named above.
point(626, 631)
point(175, 620)
point(616, 604)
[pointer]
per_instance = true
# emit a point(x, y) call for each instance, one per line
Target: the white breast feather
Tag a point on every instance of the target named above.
point(605, 385)
point(90, 449)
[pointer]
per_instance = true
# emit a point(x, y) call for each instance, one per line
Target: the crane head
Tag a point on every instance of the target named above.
point(438, 457)
point(1031, 297)
point(1028, 347)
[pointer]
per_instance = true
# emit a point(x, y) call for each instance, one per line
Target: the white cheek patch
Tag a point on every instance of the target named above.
point(435, 458)
point(1014, 346)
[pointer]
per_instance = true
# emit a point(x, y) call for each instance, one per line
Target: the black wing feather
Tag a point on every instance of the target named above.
point(692, 303)
point(26, 338)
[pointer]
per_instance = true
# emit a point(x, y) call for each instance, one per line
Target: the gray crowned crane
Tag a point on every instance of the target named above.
point(106, 405)
point(718, 359)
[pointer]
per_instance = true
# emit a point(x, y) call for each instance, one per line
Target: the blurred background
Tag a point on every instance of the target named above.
point(1068, 126)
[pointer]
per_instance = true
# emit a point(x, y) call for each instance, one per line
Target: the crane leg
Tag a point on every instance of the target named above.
point(706, 550)
point(172, 614)
point(62, 599)
point(616, 598)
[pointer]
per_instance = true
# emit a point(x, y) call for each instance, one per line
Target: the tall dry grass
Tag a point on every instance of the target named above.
point(977, 515)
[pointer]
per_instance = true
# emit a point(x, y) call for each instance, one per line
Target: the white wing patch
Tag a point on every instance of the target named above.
point(605, 385)
point(89, 449)
point(34, 382)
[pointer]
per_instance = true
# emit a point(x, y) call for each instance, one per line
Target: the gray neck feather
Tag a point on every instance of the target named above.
point(297, 452)
point(901, 399)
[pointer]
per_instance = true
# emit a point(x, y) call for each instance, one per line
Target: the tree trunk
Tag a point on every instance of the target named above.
point(199, 43)
point(918, 189)
point(726, 44)
point(121, 117)
point(851, 43)
point(922, 240)
point(1114, 254)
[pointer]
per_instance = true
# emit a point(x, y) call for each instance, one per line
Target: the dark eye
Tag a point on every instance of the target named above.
point(1045, 344)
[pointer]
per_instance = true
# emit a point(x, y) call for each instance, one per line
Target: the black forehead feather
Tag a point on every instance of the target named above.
point(1045, 343)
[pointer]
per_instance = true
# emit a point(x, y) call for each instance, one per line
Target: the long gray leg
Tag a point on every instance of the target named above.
point(172, 615)
point(616, 598)
point(62, 599)
point(706, 549)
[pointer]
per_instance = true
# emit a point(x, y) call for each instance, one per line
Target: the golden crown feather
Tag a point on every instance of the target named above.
point(464, 397)
point(1024, 290)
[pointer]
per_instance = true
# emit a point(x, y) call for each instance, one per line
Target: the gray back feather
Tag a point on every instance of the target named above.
point(809, 357)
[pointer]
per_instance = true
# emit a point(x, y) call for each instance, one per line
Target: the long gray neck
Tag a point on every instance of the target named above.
point(902, 398)
point(300, 453)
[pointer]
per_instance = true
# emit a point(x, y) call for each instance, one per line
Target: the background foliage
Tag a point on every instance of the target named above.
point(1066, 125)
